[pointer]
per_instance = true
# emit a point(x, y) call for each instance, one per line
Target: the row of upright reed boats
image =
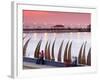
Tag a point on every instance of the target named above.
point(82, 58)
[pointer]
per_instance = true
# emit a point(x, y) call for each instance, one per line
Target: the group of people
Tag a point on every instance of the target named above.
point(40, 60)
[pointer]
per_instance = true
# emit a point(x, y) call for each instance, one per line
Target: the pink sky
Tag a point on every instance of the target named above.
point(49, 17)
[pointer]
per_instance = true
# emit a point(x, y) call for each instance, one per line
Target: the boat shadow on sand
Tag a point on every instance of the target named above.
point(51, 63)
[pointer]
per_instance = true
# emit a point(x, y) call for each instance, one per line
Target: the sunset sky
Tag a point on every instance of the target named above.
point(49, 17)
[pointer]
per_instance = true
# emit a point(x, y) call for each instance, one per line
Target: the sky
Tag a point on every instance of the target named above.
point(31, 17)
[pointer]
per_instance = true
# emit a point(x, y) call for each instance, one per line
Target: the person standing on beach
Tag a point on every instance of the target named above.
point(42, 57)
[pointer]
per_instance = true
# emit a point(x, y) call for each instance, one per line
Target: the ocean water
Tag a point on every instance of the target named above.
point(77, 38)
